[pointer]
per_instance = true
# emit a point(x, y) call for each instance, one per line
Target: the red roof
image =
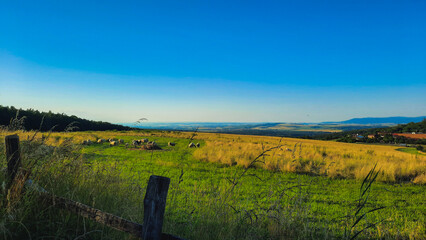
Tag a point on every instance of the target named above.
point(409, 135)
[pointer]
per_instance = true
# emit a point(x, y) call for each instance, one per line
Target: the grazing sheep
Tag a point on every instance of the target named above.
point(136, 143)
point(101, 140)
point(197, 145)
point(121, 141)
point(113, 143)
point(171, 143)
point(88, 142)
point(144, 140)
point(191, 145)
point(84, 142)
point(151, 146)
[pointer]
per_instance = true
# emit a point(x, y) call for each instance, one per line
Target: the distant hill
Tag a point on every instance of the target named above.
point(383, 120)
point(45, 121)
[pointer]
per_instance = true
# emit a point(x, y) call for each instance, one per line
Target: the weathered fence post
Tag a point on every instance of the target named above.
point(154, 207)
point(13, 157)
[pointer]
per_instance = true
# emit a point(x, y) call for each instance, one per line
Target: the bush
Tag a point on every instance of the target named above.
point(419, 148)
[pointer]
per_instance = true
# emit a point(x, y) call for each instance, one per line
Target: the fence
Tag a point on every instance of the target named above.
point(154, 201)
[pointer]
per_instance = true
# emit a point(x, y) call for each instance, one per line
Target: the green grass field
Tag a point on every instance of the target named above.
point(411, 150)
point(210, 200)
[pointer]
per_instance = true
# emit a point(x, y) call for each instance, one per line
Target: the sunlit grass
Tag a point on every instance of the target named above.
point(266, 203)
point(333, 159)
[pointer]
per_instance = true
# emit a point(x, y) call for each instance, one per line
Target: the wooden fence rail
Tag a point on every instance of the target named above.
point(154, 201)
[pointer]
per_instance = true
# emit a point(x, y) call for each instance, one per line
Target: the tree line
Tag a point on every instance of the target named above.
point(31, 119)
point(381, 135)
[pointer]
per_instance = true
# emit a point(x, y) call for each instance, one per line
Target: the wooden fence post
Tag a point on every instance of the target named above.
point(154, 207)
point(13, 157)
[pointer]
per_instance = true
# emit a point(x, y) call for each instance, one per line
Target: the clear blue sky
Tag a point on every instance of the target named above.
point(290, 61)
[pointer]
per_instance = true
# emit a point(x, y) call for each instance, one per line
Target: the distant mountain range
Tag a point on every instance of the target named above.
point(381, 120)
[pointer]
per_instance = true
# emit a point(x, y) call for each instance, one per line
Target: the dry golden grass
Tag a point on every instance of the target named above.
point(328, 158)
point(333, 159)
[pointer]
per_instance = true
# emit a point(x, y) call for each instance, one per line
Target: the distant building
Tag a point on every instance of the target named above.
point(357, 136)
point(383, 134)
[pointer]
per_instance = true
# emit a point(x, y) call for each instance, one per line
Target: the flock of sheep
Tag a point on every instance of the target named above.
point(112, 141)
point(135, 143)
